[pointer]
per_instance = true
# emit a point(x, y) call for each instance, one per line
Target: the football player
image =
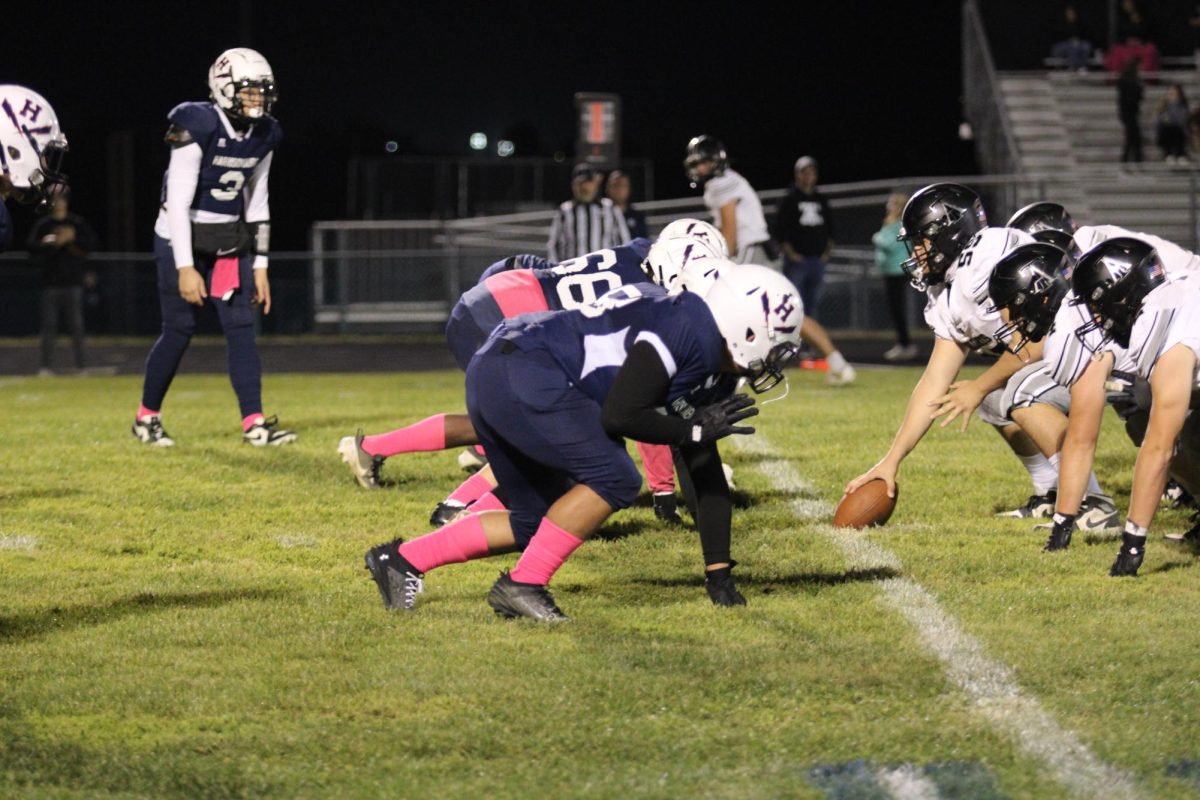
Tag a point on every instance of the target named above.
point(32, 151)
point(737, 211)
point(953, 253)
point(519, 285)
point(552, 394)
point(212, 237)
point(1155, 320)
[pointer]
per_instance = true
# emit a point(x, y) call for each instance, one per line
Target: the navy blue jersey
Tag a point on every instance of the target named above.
point(591, 342)
point(578, 281)
point(227, 162)
point(523, 261)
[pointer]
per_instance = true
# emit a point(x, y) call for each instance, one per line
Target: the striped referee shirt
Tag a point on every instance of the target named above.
point(581, 228)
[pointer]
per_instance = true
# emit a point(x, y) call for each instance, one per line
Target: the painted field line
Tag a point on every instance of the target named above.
point(989, 684)
point(907, 783)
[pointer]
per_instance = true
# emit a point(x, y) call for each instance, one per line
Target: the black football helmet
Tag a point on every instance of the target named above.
point(699, 150)
point(1112, 279)
point(1029, 282)
point(1051, 223)
point(936, 225)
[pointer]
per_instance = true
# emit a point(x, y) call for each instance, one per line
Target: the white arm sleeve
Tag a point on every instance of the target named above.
point(183, 175)
point(257, 203)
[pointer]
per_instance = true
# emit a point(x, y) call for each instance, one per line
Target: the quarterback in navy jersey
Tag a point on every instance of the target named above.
point(519, 285)
point(212, 236)
point(553, 394)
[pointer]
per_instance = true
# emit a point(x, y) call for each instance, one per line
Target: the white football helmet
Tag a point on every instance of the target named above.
point(699, 230)
point(758, 312)
point(668, 257)
point(237, 69)
point(32, 146)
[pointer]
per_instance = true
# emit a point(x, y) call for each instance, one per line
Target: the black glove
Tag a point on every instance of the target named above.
point(1060, 534)
point(719, 420)
point(719, 583)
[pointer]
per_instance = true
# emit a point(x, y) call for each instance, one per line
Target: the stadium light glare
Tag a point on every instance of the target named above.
point(478, 141)
point(391, 146)
point(505, 148)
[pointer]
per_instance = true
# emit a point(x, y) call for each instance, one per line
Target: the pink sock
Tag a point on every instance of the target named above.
point(489, 502)
point(461, 540)
point(544, 554)
point(470, 490)
point(144, 412)
point(421, 437)
point(250, 421)
point(479, 451)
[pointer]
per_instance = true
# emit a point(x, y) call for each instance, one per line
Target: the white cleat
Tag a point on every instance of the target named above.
point(842, 377)
point(264, 434)
point(364, 465)
point(150, 431)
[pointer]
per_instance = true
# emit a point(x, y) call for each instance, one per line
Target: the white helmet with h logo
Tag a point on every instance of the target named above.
point(758, 311)
point(699, 230)
point(238, 69)
point(32, 146)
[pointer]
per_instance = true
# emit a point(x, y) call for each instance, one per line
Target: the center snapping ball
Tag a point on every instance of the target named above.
point(868, 505)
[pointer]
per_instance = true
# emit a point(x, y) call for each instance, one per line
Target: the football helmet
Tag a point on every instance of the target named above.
point(758, 312)
point(667, 257)
point(936, 225)
point(702, 149)
point(32, 146)
point(238, 69)
point(1112, 279)
point(1051, 223)
point(1031, 283)
point(699, 230)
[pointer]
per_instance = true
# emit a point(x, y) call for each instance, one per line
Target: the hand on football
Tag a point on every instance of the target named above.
point(883, 470)
point(262, 290)
point(719, 420)
point(191, 286)
point(962, 399)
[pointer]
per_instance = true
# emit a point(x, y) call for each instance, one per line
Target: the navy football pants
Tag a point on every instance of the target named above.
point(179, 323)
point(542, 435)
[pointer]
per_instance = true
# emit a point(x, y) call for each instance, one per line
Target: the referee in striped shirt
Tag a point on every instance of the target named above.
point(587, 222)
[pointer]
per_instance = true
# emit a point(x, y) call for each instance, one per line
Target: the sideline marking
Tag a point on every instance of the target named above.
point(989, 684)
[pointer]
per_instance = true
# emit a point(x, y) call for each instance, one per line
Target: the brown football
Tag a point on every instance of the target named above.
point(867, 505)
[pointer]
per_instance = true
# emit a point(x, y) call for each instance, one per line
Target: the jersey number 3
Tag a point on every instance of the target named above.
point(231, 184)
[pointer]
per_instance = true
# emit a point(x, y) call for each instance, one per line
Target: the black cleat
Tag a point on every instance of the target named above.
point(398, 581)
point(446, 512)
point(1133, 550)
point(719, 583)
point(1036, 507)
point(511, 599)
point(666, 508)
point(1191, 535)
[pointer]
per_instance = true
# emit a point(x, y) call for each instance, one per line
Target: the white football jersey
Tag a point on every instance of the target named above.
point(1066, 356)
point(1174, 257)
point(1170, 316)
point(751, 224)
point(959, 310)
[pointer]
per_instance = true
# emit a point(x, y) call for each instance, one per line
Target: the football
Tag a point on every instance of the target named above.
point(866, 506)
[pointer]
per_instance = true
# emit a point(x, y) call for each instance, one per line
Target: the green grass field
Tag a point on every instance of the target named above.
point(196, 622)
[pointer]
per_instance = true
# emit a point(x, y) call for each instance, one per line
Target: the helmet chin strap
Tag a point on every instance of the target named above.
point(786, 389)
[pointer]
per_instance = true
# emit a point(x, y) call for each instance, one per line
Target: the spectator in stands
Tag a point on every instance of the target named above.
point(587, 222)
point(1074, 45)
point(805, 230)
point(1133, 40)
point(60, 243)
point(1129, 104)
point(619, 189)
point(890, 253)
point(1171, 120)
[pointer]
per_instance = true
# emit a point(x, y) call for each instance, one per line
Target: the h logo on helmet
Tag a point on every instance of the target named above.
point(31, 110)
point(785, 308)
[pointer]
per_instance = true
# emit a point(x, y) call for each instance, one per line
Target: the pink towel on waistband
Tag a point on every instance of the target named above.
point(225, 279)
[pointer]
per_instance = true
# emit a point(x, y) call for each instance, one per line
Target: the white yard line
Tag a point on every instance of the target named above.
point(989, 684)
point(907, 783)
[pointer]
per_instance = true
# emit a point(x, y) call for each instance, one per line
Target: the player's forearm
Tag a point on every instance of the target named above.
point(183, 175)
point(1149, 480)
point(917, 420)
point(997, 375)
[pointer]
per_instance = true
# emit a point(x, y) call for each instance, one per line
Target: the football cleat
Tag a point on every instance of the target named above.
point(446, 512)
point(842, 377)
point(1036, 507)
point(263, 433)
point(398, 581)
point(1190, 536)
point(470, 461)
point(1097, 514)
point(150, 431)
point(1133, 550)
point(719, 583)
point(666, 508)
point(1178, 496)
point(364, 465)
point(510, 599)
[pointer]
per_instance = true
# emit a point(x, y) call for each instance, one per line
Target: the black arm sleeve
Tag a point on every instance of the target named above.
point(631, 407)
point(701, 475)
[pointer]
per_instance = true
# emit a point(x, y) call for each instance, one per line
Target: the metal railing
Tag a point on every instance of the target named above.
point(983, 104)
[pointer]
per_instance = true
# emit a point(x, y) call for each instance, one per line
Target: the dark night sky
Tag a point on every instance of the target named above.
point(837, 80)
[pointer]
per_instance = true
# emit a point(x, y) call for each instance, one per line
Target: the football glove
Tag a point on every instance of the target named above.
point(719, 420)
point(719, 583)
point(1133, 550)
point(1060, 535)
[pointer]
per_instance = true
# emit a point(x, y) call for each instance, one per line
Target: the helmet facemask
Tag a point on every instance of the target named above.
point(1128, 270)
point(764, 374)
point(1031, 313)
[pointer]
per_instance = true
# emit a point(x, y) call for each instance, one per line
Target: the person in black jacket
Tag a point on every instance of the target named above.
point(60, 243)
